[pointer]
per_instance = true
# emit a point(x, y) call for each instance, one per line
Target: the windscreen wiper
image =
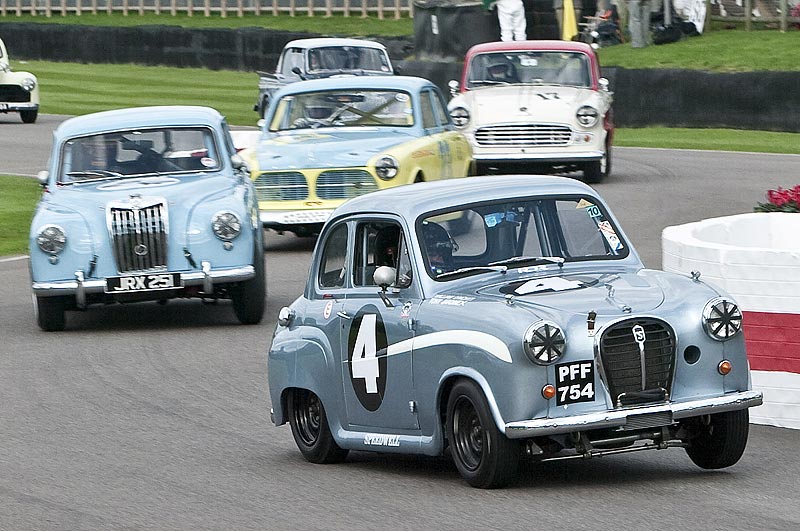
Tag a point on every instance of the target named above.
point(472, 270)
point(518, 260)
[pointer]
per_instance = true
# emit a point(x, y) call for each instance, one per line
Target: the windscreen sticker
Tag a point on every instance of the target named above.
point(610, 235)
point(208, 162)
point(401, 97)
point(583, 203)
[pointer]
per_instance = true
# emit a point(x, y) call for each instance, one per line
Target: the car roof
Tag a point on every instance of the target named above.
point(539, 45)
point(317, 42)
point(177, 115)
point(412, 200)
point(408, 83)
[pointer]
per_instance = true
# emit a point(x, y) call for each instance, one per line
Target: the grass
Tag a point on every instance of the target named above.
point(709, 139)
point(18, 197)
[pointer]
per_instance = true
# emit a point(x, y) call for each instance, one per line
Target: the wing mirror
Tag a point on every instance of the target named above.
point(299, 73)
point(286, 316)
point(453, 84)
point(603, 82)
point(43, 176)
point(384, 277)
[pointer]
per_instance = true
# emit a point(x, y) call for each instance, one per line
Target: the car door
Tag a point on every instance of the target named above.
point(376, 332)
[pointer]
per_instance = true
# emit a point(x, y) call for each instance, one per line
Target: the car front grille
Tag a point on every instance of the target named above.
point(523, 135)
point(139, 236)
point(281, 186)
point(344, 184)
point(14, 94)
point(637, 375)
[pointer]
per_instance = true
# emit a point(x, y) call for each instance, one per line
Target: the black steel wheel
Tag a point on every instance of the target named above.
point(50, 313)
point(29, 117)
point(483, 455)
point(250, 297)
point(718, 441)
point(310, 428)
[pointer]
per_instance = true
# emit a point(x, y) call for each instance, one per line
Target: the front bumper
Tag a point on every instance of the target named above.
point(16, 107)
point(543, 157)
point(206, 278)
point(659, 415)
point(287, 218)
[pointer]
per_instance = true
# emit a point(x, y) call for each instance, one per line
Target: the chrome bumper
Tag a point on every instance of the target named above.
point(80, 287)
point(619, 418)
point(552, 157)
point(282, 218)
point(14, 107)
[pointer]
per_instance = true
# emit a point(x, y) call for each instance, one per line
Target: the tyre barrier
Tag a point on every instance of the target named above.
point(755, 258)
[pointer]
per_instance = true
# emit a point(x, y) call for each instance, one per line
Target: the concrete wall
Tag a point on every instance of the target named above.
point(674, 98)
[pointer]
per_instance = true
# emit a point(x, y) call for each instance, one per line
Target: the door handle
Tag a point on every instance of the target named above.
point(343, 314)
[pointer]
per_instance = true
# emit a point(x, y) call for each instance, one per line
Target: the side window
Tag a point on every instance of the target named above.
point(332, 267)
point(428, 115)
point(377, 244)
point(291, 58)
point(228, 138)
point(440, 108)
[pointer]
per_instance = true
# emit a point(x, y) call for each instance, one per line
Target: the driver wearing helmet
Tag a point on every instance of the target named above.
point(438, 248)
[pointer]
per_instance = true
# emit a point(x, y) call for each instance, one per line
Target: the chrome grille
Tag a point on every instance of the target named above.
point(523, 135)
point(139, 236)
point(281, 186)
point(344, 184)
point(631, 372)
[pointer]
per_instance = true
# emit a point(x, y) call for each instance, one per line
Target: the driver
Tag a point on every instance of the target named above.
point(438, 248)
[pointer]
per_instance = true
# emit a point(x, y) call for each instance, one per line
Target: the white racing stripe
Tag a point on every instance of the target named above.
point(470, 338)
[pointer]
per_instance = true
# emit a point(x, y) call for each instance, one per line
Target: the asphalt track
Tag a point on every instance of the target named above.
point(149, 416)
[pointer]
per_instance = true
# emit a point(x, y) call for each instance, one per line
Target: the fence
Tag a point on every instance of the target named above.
point(780, 13)
point(223, 8)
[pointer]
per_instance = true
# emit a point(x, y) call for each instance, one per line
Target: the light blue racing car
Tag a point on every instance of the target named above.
point(499, 317)
point(145, 204)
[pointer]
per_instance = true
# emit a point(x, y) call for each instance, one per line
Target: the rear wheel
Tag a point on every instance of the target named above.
point(50, 313)
point(29, 117)
point(250, 297)
point(310, 429)
point(483, 455)
point(718, 441)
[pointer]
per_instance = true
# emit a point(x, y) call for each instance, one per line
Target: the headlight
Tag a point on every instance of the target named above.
point(587, 116)
point(460, 116)
point(51, 239)
point(387, 167)
point(722, 319)
point(544, 342)
point(226, 225)
point(28, 84)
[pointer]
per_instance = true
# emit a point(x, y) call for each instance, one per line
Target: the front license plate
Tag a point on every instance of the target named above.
point(151, 282)
point(574, 382)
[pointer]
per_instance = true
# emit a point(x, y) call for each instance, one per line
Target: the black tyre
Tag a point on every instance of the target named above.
point(50, 313)
point(483, 455)
point(595, 172)
point(310, 429)
point(250, 297)
point(28, 117)
point(718, 441)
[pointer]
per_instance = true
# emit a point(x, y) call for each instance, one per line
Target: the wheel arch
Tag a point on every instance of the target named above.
point(449, 379)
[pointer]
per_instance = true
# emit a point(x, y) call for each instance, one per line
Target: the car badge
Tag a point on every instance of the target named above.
point(639, 336)
point(140, 250)
point(523, 109)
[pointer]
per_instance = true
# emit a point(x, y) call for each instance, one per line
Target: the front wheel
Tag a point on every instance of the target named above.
point(250, 297)
point(310, 429)
point(50, 313)
point(483, 455)
point(718, 441)
point(596, 171)
point(28, 117)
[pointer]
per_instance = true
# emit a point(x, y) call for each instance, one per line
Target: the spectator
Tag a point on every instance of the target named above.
point(511, 16)
point(639, 22)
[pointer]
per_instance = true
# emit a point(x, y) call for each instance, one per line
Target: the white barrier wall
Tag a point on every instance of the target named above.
point(755, 258)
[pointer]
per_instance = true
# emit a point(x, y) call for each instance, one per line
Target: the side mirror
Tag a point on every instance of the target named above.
point(260, 123)
point(299, 73)
point(43, 176)
point(384, 276)
point(239, 163)
point(603, 82)
point(286, 316)
point(453, 84)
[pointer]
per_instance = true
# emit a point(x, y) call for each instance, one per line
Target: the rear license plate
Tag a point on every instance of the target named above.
point(574, 382)
point(151, 282)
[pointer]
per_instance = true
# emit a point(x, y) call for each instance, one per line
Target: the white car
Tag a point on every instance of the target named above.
point(533, 106)
point(19, 91)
